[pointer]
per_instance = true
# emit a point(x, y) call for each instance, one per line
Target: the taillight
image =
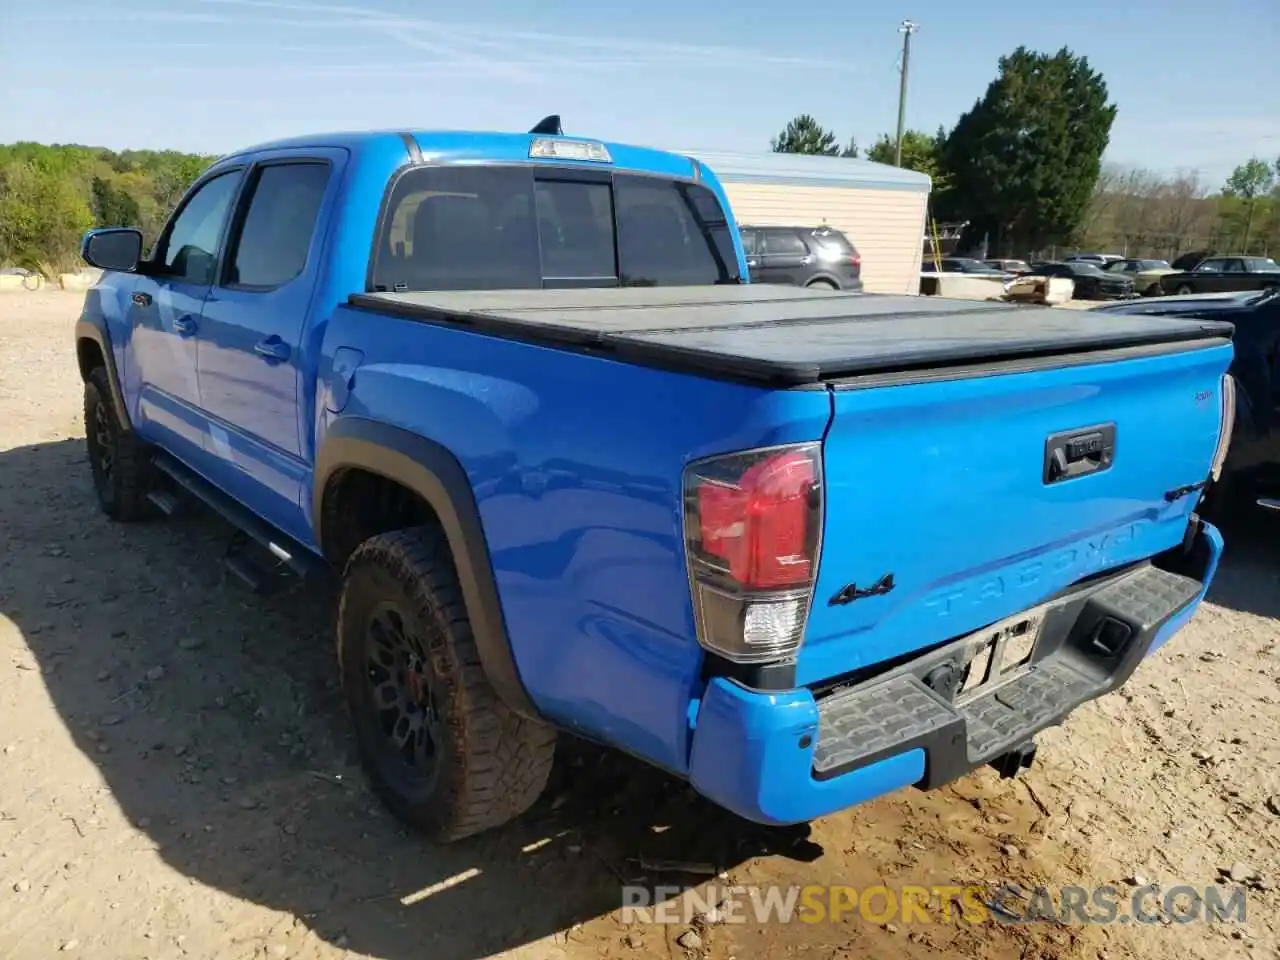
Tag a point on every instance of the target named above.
point(855, 261)
point(751, 533)
point(1226, 425)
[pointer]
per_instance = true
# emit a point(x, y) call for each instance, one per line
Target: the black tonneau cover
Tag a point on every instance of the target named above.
point(787, 335)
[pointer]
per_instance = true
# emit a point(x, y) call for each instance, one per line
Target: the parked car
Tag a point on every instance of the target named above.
point(1101, 259)
point(960, 265)
point(575, 475)
point(802, 257)
point(1219, 274)
point(1015, 268)
point(1145, 274)
point(1188, 260)
point(1091, 281)
point(1251, 471)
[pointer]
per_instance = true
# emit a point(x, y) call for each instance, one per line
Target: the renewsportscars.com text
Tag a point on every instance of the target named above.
point(937, 903)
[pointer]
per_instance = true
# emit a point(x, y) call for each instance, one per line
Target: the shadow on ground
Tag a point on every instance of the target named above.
point(214, 717)
point(1248, 579)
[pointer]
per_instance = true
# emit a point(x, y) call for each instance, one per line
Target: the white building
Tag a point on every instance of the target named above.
point(880, 208)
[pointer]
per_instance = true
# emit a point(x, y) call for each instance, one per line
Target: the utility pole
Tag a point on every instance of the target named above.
point(907, 29)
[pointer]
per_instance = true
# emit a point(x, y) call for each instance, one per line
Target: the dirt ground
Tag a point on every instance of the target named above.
point(177, 780)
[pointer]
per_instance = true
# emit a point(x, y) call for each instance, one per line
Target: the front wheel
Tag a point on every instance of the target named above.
point(118, 460)
point(1183, 290)
point(442, 751)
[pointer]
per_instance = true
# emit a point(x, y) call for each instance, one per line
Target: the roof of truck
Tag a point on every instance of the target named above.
point(786, 335)
point(459, 145)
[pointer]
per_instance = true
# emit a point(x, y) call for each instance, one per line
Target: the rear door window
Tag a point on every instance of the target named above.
point(275, 236)
point(485, 228)
point(784, 243)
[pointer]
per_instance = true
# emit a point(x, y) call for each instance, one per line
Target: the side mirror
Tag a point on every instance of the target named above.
point(115, 248)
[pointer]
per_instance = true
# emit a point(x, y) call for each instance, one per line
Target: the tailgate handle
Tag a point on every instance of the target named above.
point(1077, 453)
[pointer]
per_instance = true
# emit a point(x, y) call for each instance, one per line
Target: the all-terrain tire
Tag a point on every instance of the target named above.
point(487, 764)
point(119, 461)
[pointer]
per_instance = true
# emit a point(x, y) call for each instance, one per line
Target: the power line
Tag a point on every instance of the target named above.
point(907, 29)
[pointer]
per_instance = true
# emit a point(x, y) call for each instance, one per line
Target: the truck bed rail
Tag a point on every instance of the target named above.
point(789, 337)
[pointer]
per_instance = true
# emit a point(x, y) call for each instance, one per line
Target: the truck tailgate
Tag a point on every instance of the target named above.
point(949, 491)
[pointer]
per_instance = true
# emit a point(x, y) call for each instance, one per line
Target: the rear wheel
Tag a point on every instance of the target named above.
point(1183, 290)
point(823, 285)
point(441, 750)
point(118, 460)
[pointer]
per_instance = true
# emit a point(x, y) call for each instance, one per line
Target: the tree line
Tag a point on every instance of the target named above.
point(50, 195)
point(1023, 170)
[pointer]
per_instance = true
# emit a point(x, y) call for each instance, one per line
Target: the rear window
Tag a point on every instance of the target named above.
point(833, 239)
point(488, 228)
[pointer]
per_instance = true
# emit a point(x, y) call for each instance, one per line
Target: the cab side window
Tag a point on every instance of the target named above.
point(275, 238)
point(190, 250)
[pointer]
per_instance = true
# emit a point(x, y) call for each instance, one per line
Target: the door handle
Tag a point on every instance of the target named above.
point(185, 325)
point(753, 263)
point(272, 349)
point(141, 299)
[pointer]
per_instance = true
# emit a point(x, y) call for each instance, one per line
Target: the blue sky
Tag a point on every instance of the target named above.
point(1197, 84)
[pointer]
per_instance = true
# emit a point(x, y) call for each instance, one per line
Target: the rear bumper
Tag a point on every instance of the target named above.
point(785, 757)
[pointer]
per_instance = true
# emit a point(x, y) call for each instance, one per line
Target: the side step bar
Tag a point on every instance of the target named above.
point(292, 554)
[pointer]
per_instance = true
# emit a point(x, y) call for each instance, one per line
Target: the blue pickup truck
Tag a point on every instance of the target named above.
point(799, 547)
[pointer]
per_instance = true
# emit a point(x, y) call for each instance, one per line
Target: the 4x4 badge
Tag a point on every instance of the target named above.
point(852, 591)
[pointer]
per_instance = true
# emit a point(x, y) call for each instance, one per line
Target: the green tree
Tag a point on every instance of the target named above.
point(851, 150)
point(805, 135)
point(49, 195)
point(1249, 181)
point(113, 205)
point(42, 215)
point(1024, 160)
point(920, 152)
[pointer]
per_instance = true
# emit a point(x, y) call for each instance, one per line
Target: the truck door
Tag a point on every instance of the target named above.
point(164, 314)
point(251, 357)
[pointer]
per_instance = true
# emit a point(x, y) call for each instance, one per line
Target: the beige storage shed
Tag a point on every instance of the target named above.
point(880, 208)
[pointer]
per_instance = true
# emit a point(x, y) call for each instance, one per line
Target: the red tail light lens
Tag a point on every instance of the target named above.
point(759, 526)
point(751, 529)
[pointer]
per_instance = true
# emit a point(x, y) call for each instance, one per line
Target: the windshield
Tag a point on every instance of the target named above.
point(500, 227)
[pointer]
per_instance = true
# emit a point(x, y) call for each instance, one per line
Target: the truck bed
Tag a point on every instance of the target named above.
point(792, 337)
